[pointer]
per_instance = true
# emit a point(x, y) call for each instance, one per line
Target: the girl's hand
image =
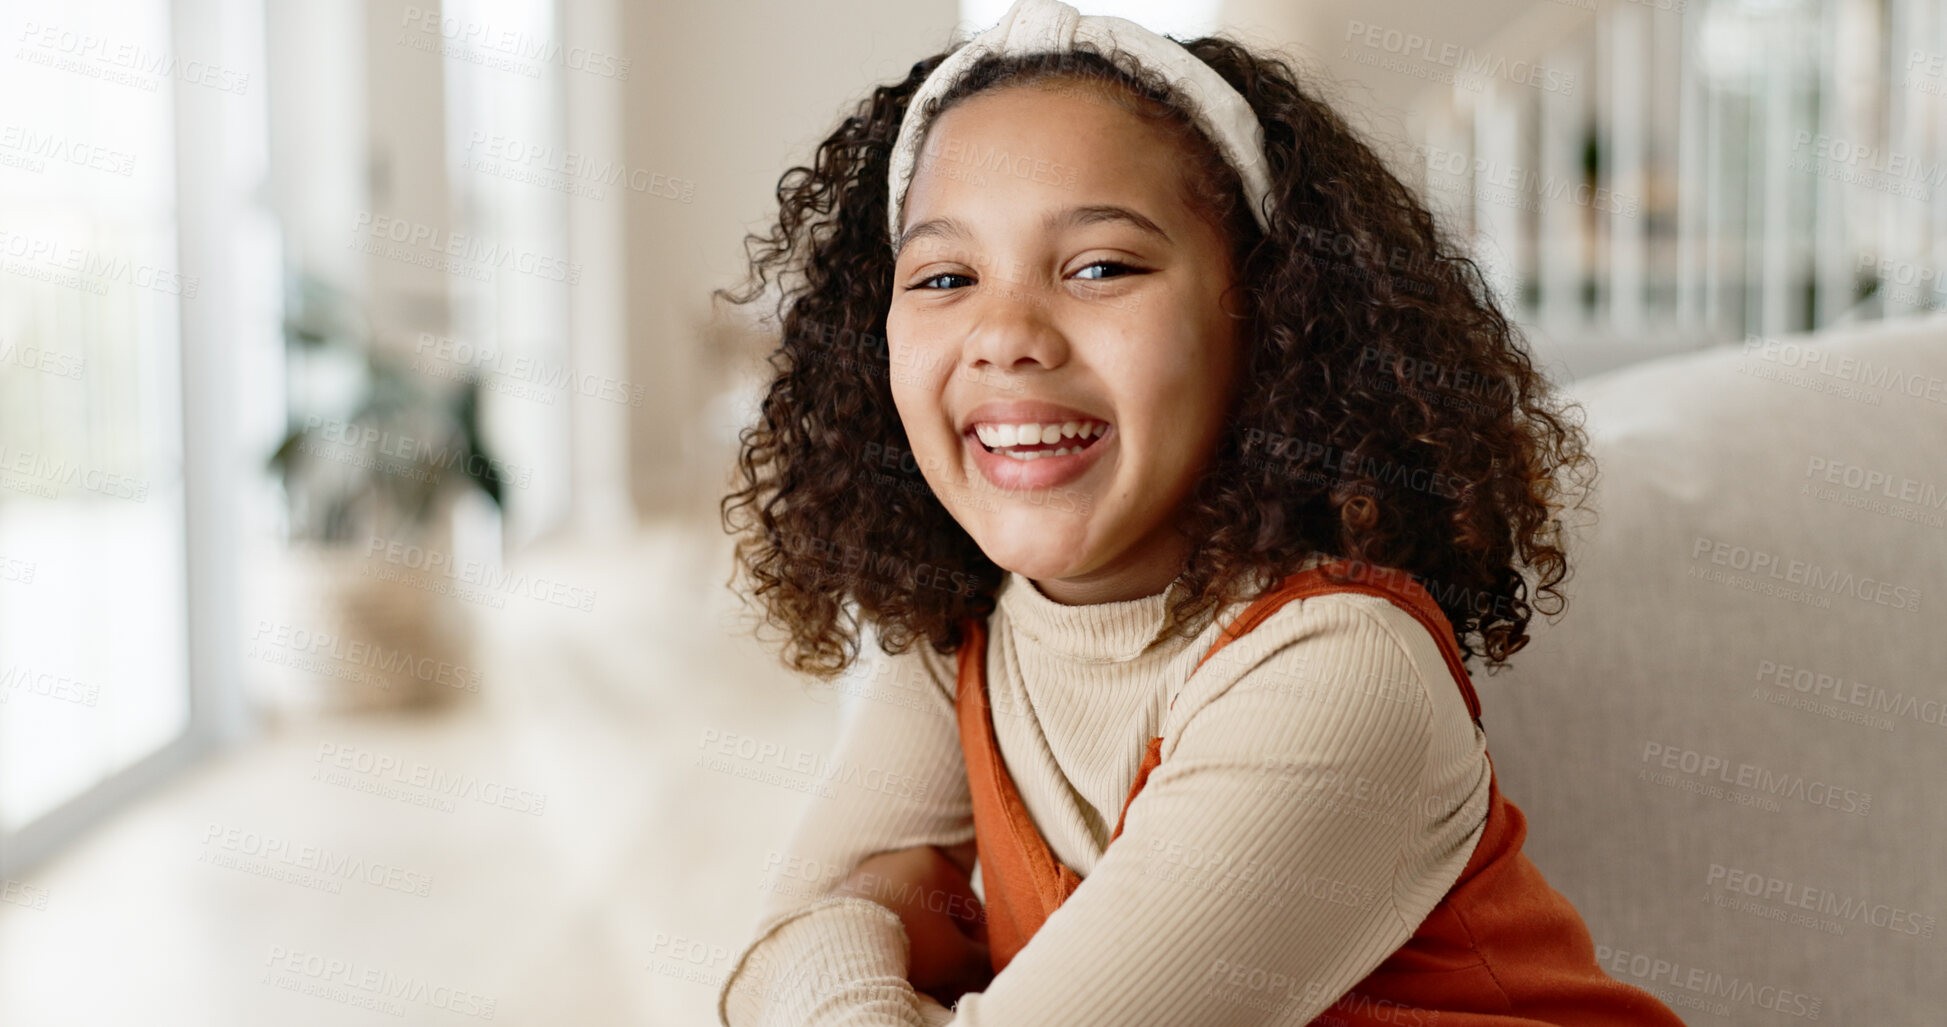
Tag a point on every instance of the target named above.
point(931, 889)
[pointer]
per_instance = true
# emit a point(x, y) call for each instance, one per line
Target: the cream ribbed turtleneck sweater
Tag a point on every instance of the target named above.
point(1321, 788)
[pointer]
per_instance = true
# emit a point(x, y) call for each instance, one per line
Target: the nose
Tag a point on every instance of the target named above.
point(1015, 326)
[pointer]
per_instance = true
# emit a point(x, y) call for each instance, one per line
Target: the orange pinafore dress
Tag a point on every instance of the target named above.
point(1501, 949)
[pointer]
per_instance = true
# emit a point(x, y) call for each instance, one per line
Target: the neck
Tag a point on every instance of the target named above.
point(1141, 571)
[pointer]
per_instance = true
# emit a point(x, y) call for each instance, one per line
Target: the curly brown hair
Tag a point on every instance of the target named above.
point(1385, 410)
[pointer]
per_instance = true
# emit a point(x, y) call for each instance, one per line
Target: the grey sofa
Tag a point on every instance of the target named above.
point(1732, 746)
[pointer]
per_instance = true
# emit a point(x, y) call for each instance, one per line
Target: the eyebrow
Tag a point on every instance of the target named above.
point(1072, 217)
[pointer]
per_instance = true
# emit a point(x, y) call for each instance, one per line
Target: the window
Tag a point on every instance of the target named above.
point(1673, 174)
point(117, 634)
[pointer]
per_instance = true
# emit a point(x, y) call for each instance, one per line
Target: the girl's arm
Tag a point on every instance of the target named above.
point(895, 781)
point(929, 887)
point(1267, 866)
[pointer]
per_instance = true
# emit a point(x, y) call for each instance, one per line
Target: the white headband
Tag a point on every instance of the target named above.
point(1035, 26)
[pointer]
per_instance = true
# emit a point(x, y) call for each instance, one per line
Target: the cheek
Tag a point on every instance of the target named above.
point(917, 380)
point(1175, 391)
point(1179, 396)
point(907, 396)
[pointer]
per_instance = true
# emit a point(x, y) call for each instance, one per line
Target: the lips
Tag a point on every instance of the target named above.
point(1009, 473)
point(1027, 444)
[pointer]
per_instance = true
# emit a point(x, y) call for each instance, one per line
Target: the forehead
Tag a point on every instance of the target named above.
point(1023, 149)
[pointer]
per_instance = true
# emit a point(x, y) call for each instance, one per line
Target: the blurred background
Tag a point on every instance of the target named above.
point(363, 415)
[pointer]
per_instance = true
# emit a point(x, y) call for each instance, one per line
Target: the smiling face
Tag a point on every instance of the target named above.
point(1054, 274)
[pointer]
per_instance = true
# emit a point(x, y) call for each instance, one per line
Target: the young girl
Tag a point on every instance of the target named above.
point(1178, 462)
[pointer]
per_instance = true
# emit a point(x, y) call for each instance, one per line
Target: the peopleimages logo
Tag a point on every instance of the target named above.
point(1712, 769)
point(120, 61)
point(495, 580)
point(1524, 188)
point(442, 356)
point(351, 983)
point(1823, 901)
point(86, 269)
point(1815, 685)
point(269, 850)
point(514, 44)
point(322, 651)
point(48, 684)
point(1847, 366)
point(1705, 988)
point(1465, 63)
point(1893, 165)
point(46, 361)
point(809, 765)
point(420, 458)
point(504, 156)
point(39, 469)
point(1853, 476)
point(33, 149)
point(429, 246)
point(437, 782)
point(1757, 562)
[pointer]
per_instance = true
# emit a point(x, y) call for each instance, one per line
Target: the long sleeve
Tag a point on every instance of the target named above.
point(1320, 789)
point(897, 779)
point(1267, 866)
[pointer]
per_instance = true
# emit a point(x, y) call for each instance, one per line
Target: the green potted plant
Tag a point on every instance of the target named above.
point(375, 457)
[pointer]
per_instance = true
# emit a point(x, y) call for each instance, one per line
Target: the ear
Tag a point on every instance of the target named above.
point(1234, 302)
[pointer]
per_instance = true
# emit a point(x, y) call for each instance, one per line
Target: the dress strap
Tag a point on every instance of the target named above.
point(1025, 882)
point(1343, 575)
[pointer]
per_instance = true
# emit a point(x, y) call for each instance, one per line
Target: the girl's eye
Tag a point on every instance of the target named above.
point(1126, 269)
point(1103, 263)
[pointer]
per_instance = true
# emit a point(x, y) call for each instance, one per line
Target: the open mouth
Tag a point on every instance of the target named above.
point(1032, 441)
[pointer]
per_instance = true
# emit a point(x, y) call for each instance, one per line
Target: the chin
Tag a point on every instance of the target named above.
point(1040, 566)
point(1034, 543)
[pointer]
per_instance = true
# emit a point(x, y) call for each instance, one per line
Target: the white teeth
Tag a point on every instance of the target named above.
point(1001, 436)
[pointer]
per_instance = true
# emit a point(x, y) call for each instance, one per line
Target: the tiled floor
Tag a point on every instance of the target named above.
point(551, 853)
